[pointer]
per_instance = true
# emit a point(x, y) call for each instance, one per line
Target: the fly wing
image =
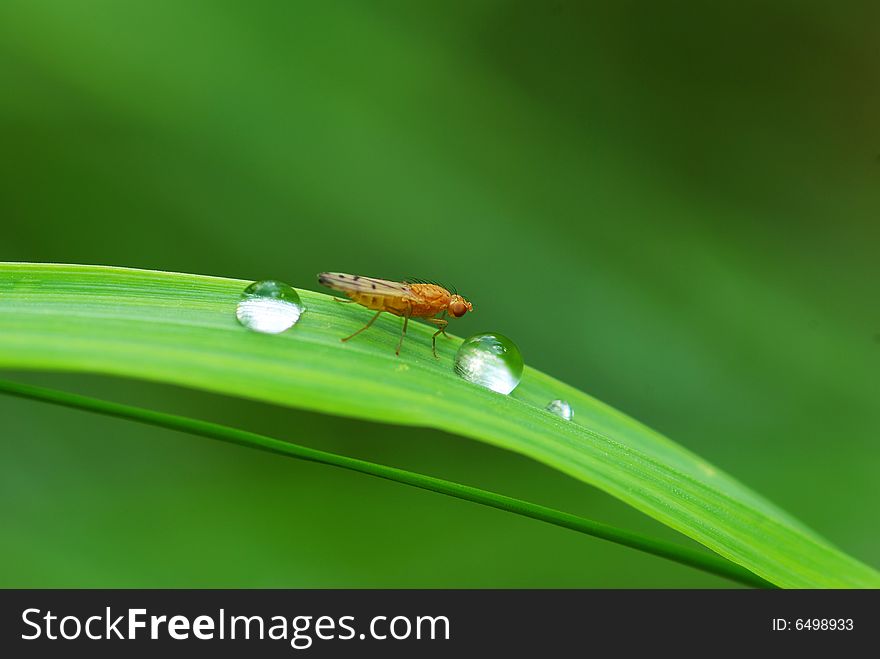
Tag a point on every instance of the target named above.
point(357, 284)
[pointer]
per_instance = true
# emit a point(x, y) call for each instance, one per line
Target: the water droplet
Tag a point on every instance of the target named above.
point(490, 360)
point(560, 408)
point(709, 470)
point(269, 307)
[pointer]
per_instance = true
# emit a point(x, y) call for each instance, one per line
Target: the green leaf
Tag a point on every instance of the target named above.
point(699, 559)
point(181, 329)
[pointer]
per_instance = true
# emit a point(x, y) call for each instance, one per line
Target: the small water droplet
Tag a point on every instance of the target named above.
point(269, 307)
point(560, 408)
point(490, 360)
point(706, 469)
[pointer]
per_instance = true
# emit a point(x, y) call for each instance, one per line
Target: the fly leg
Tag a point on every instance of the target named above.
point(405, 323)
point(441, 323)
point(342, 300)
point(372, 320)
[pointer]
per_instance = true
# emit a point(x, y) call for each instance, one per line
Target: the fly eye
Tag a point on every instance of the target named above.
point(457, 309)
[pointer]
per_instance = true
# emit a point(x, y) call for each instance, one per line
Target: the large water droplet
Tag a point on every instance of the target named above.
point(269, 307)
point(560, 408)
point(490, 360)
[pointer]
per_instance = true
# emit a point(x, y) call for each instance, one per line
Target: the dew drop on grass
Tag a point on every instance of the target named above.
point(269, 307)
point(490, 360)
point(560, 408)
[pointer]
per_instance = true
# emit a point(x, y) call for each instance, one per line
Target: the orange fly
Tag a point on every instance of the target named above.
point(409, 299)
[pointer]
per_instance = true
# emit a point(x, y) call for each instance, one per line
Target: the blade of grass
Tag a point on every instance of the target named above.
point(180, 328)
point(678, 553)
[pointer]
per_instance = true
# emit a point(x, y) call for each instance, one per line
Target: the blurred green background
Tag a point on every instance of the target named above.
point(672, 206)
